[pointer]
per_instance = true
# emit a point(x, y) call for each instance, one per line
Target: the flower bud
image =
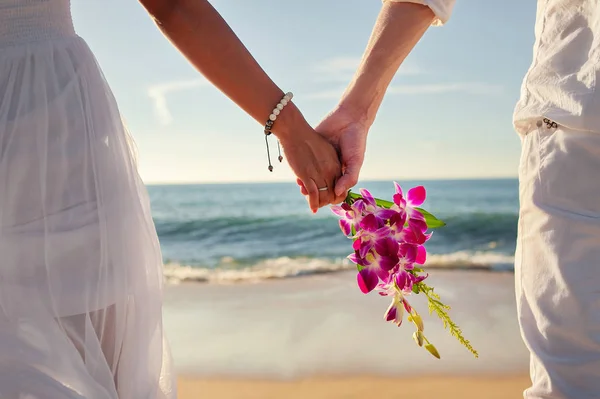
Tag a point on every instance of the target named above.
point(418, 337)
point(416, 318)
point(431, 349)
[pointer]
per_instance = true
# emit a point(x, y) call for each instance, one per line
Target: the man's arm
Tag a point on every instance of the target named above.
point(400, 25)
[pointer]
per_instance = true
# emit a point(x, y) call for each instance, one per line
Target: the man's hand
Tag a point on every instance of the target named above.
point(348, 134)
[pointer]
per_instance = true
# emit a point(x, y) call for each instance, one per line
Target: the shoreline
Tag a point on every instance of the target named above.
point(488, 385)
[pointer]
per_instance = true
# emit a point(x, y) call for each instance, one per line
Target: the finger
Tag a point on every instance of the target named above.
point(325, 193)
point(302, 187)
point(347, 181)
point(313, 194)
point(337, 199)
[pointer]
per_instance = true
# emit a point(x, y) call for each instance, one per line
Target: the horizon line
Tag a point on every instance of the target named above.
point(207, 183)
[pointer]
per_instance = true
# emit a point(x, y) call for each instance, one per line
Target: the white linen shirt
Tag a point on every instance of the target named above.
point(561, 82)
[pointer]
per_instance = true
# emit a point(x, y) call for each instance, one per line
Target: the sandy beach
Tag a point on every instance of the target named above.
point(486, 387)
point(319, 337)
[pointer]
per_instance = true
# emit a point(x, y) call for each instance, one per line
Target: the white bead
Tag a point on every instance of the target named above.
point(283, 101)
point(276, 111)
point(273, 117)
point(286, 98)
point(280, 106)
point(290, 95)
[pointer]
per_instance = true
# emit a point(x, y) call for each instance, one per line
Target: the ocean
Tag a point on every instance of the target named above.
point(218, 236)
point(225, 233)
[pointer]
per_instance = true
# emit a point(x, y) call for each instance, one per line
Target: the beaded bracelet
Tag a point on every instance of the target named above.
point(269, 125)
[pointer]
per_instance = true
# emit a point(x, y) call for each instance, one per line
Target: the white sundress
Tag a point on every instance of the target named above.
point(80, 263)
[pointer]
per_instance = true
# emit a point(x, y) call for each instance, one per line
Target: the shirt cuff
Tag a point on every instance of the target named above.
point(441, 8)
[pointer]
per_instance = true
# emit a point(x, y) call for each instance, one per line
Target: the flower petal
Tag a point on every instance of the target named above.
point(359, 206)
point(387, 263)
point(408, 252)
point(399, 201)
point(370, 223)
point(387, 247)
point(386, 214)
point(367, 196)
point(391, 312)
point(367, 280)
point(346, 227)
point(364, 249)
point(338, 210)
point(398, 189)
point(416, 196)
point(421, 255)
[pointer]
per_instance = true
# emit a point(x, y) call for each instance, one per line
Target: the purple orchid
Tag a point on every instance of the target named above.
point(383, 214)
point(395, 312)
point(388, 241)
point(351, 215)
point(415, 197)
point(374, 268)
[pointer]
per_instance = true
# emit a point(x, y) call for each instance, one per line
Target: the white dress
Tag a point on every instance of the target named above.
point(80, 264)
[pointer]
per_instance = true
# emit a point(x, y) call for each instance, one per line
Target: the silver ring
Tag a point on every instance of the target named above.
point(324, 189)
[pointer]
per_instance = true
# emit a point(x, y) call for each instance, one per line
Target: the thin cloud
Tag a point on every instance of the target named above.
point(474, 88)
point(439, 88)
point(158, 93)
point(341, 69)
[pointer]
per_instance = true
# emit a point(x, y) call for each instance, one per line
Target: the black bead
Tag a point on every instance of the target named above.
point(270, 168)
point(280, 158)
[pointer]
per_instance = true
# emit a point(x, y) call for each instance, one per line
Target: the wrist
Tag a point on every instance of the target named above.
point(289, 122)
point(362, 103)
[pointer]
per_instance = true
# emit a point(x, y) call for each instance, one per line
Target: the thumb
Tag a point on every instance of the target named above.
point(347, 181)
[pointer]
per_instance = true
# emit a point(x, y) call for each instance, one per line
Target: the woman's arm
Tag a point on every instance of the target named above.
point(197, 30)
point(205, 39)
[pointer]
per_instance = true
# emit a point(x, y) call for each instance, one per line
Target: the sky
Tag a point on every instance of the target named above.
point(447, 114)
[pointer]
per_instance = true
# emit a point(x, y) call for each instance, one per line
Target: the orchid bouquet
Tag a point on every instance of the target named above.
point(388, 242)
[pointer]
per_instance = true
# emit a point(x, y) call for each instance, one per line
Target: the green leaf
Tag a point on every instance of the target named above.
point(432, 221)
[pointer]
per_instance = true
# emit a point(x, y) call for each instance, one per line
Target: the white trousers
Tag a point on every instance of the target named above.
point(557, 267)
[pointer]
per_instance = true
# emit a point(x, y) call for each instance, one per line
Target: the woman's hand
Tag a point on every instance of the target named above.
point(348, 134)
point(314, 161)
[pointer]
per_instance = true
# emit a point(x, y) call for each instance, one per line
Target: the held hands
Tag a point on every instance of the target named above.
point(348, 135)
point(315, 162)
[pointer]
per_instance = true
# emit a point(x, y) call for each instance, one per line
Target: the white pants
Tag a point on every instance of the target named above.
point(558, 261)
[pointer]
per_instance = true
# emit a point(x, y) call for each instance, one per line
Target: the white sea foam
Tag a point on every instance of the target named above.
point(286, 267)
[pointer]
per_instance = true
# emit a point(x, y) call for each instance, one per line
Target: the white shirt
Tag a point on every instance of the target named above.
point(561, 82)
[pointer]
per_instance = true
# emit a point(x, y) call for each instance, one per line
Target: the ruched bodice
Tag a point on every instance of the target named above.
point(29, 21)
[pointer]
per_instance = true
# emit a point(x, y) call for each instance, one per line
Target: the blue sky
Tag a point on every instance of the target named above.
point(448, 113)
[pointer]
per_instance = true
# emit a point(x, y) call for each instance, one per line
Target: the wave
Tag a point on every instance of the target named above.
point(286, 267)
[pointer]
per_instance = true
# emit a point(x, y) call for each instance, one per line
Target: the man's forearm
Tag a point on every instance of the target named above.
point(398, 29)
point(205, 39)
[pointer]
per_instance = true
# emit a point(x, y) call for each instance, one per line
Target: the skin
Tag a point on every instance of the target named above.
point(397, 30)
point(199, 32)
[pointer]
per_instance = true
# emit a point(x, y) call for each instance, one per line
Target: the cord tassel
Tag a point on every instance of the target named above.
point(279, 150)
point(268, 152)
